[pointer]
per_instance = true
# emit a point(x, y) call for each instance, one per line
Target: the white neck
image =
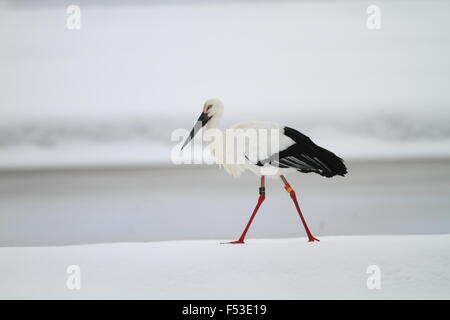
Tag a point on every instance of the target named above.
point(213, 123)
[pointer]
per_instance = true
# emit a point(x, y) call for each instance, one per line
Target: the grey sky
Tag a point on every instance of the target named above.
point(295, 58)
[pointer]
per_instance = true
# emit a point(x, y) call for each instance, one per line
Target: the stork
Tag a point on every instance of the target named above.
point(294, 152)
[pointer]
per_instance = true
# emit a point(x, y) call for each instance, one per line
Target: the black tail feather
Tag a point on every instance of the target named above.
point(333, 164)
point(306, 156)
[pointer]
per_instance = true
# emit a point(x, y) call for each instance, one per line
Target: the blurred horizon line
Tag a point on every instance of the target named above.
point(213, 166)
point(48, 132)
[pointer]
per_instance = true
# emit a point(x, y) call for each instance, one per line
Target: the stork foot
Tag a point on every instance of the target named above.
point(234, 242)
point(312, 239)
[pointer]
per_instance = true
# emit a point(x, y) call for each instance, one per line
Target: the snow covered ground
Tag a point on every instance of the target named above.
point(412, 267)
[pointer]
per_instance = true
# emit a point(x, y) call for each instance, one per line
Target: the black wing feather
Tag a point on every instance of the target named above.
point(306, 156)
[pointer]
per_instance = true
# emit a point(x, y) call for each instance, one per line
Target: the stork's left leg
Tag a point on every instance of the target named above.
point(294, 198)
point(262, 196)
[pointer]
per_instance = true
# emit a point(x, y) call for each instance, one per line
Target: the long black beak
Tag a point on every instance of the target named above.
point(201, 121)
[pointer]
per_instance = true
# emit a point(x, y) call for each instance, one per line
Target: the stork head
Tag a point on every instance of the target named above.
point(212, 108)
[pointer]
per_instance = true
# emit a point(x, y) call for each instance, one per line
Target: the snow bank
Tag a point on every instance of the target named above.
point(412, 267)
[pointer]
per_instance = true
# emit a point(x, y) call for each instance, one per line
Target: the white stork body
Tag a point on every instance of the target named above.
point(236, 169)
point(291, 151)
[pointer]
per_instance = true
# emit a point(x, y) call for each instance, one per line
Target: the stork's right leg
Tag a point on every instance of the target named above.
point(262, 196)
point(291, 192)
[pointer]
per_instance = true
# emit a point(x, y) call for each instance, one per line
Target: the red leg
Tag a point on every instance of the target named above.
point(261, 198)
point(294, 198)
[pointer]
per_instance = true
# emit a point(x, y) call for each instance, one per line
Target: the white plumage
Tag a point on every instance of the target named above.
point(264, 147)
